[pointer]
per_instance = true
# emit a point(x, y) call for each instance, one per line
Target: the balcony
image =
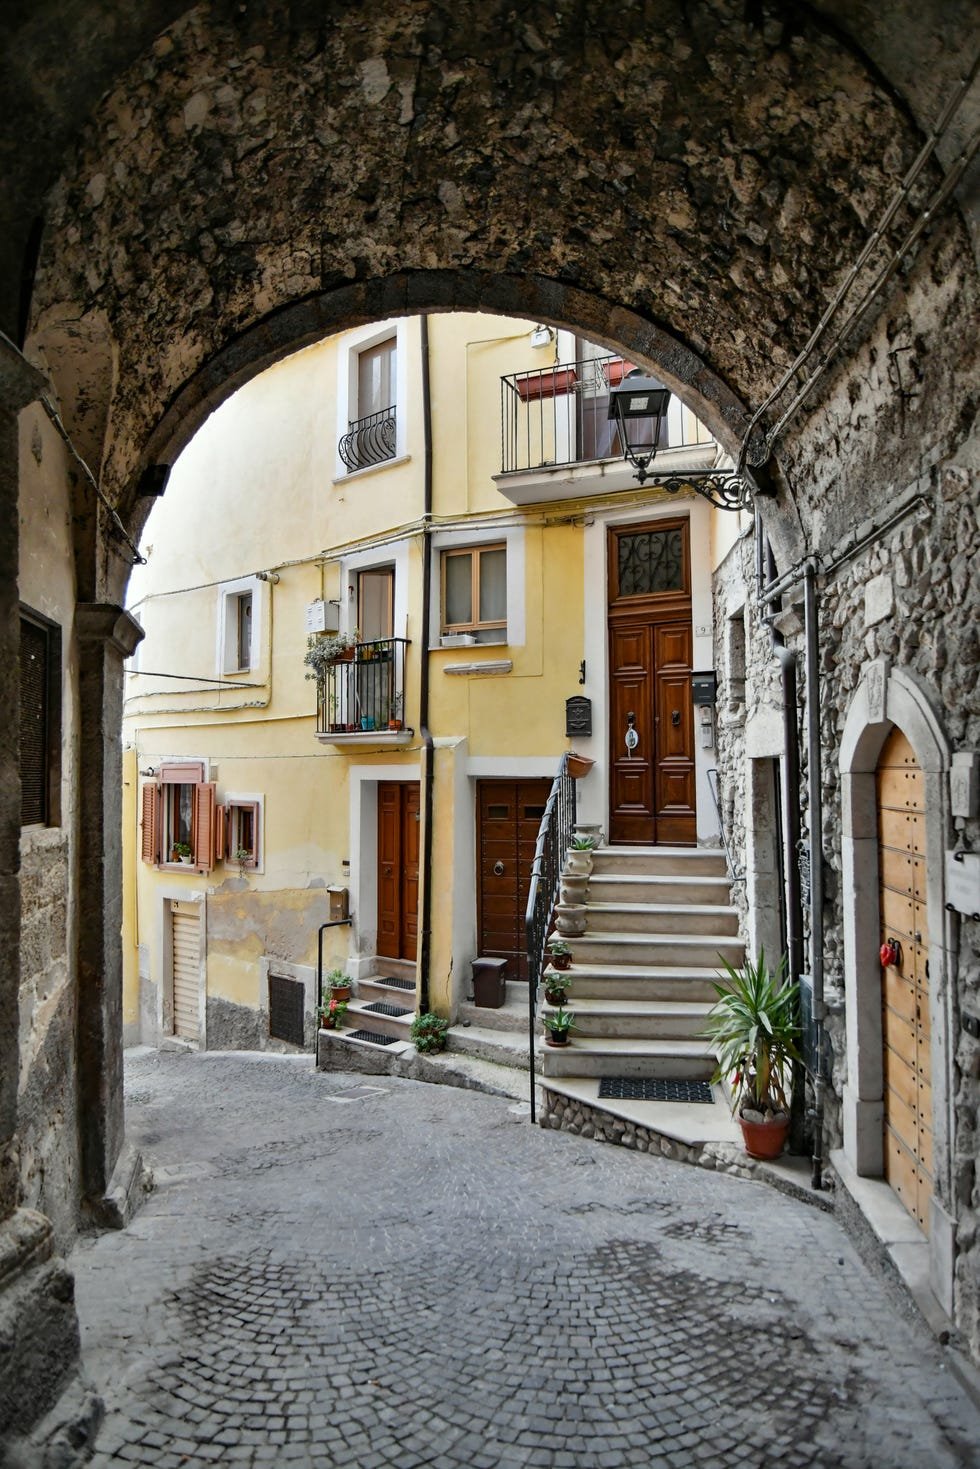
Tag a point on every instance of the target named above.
point(360, 700)
point(557, 440)
point(369, 440)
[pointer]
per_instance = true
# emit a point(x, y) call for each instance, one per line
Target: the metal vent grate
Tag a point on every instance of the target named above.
point(374, 1037)
point(286, 999)
point(398, 984)
point(380, 1008)
point(653, 1089)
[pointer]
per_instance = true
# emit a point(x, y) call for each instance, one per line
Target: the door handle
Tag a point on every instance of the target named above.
point(675, 717)
point(498, 869)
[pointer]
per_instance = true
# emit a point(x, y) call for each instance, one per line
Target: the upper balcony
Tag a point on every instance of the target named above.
point(369, 440)
point(360, 696)
point(557, 440)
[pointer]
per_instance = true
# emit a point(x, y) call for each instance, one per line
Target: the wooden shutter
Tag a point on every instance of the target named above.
point(205, 825)
point(181, 772)
point(151, 824)
point(220, 833)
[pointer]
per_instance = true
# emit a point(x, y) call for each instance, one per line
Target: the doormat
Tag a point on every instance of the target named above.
point(398, 984)
point(380, 1008)
point(653, 1089)
point(374, 1036)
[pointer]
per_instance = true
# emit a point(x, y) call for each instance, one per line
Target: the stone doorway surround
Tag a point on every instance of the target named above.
point(886, 698)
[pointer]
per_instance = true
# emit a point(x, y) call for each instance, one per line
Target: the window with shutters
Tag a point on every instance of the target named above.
point(179, 817)
point(40, 720)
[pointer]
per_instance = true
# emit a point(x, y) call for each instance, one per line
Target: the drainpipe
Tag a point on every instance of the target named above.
point(425, 925)
point(815, 803)
point(791, 827)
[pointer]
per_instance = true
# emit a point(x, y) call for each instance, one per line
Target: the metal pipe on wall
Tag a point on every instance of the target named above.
point(425, 925)
point(815, 805)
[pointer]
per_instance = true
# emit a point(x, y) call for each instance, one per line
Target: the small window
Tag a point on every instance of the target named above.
point(40, 720)
point(474, 592)
point(242, 831)
point(371, 429)
point(237, 641)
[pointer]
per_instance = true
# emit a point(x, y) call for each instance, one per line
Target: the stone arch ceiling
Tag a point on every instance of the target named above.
point(712, 167)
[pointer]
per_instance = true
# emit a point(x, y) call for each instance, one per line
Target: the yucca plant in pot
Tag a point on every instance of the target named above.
point(753, 1028)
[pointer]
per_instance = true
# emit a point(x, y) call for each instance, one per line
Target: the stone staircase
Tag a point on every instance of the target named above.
point(658, 921)
point(391, 987)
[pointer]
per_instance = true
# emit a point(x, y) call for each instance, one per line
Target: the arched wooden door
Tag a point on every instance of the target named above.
point(905, 984)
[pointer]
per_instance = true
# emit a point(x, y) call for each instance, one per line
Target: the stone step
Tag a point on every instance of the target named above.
point(639, 1019)
point(633, 887)
point(656, 949)
point(690, 918)
point(608, 1056)
point(659, 861)
point(504, 1047)
point(642, 981)
point(359, 1017)
point(511, 1016)
point(379, 987)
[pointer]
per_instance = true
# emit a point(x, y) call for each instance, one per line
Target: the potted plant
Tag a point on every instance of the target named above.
point(339, 984)
point(556, 987)
point(242, 856)
point(753, 1026)
point(558, 1026)
point(560, 953)
point(430, 1032)
point(331, 1013)
point(395, 711)
point(578, 859)
point(323, 653)
point(183, 853)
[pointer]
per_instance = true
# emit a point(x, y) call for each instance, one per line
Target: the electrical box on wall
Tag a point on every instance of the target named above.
point(322, 616)
point(339, 904)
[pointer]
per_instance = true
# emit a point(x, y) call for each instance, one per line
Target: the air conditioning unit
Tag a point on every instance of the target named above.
point(322, 616)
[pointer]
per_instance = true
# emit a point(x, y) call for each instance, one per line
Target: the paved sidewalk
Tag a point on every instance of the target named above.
point(335, 1271)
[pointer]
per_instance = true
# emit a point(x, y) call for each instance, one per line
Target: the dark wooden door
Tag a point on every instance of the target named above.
point(398, 869)
point(509, 814)
point(652, 784)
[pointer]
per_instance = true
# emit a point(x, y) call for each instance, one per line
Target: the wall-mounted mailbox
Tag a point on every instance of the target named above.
point(578, 716)
point(704, 687)
point(339, 904)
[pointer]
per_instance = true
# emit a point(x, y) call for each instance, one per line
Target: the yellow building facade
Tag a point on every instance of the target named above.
point(446, 495)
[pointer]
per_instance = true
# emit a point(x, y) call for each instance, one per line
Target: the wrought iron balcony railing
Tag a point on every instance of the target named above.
point(560, 415)
point(554, 839)
point(369, 440)
point(365, 691)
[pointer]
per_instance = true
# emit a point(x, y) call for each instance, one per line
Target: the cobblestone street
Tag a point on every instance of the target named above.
point(337, 1271)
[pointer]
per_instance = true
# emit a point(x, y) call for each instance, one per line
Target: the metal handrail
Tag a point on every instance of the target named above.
point(554, 838)
point(369, 440)
point(729, 861)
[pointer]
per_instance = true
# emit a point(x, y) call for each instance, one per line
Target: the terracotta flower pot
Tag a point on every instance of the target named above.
point(560, 961)
point(764, 1140)
point(577, 766)
point(554, 997)
point(340, 992)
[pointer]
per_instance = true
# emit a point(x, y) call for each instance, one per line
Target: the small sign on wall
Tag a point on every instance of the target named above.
point(963, 883)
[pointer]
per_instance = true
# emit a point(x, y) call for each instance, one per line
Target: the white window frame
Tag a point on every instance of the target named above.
point(395, 555)
point(226, 657)
point(514, 634)
point(234, 799)
point(350, 349)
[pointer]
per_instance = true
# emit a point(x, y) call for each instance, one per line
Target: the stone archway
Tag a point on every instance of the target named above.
point(887, 699)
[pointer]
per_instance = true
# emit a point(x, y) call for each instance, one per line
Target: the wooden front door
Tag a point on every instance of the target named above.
point(905, 985)
point(509, 814)
point(398, 869)
point(651, 716)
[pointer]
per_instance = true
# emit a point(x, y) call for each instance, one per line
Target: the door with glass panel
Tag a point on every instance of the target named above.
point(651, 717)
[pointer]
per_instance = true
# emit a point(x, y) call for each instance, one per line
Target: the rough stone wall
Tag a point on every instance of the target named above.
point(247, 162)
